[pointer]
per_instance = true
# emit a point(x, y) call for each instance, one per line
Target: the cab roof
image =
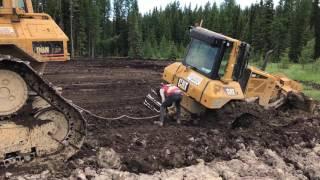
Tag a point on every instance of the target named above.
point(209, 36)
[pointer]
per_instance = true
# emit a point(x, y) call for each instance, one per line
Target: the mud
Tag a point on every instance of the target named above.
point(282, 144)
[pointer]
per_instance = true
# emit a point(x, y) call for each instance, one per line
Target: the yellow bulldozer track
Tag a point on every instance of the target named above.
point(35, 120)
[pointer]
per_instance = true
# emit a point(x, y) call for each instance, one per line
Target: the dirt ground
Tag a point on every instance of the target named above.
point(281, 145)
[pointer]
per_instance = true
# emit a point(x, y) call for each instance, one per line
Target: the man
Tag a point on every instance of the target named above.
point(169, 94)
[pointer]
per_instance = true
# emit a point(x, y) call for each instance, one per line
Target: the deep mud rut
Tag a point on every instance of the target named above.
point(282, 145)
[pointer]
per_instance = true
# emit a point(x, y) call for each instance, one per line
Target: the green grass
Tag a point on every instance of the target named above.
point(296, 72)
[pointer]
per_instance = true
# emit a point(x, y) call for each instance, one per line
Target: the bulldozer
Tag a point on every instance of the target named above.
point(217, 81)
point(36, 122)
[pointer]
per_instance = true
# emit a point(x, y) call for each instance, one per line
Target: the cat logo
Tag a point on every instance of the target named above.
point(230, 91)
point(42, 50)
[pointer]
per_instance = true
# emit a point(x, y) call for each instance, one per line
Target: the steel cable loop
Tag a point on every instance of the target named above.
point(116, 118)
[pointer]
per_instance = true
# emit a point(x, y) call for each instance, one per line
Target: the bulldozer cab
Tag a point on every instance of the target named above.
point(216, 56)
point(215, 71)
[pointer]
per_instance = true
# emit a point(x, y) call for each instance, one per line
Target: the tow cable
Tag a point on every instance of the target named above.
point(113, 119)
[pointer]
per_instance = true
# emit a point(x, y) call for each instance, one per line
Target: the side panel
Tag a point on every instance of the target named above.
point(217, 94)
point(289, 85)
point(37, 35)
point(199, 90)
point(261, 88)
point(267, 87)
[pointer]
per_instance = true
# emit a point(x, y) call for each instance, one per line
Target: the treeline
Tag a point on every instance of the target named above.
point(116, 28)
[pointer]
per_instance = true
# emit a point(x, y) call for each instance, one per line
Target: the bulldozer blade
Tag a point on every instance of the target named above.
point(301, 101)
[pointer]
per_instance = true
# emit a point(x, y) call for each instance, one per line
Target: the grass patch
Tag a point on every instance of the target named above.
point(296, 72)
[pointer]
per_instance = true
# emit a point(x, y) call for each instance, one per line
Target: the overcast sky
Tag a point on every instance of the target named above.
point(147, 5)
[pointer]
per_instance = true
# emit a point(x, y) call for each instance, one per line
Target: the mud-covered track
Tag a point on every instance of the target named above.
point(76, 124)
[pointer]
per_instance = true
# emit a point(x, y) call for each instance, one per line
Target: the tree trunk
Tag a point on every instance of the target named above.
point(71, 29)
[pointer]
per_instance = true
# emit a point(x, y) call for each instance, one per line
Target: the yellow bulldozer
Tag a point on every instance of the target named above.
point(215, 76)
point(35, 120)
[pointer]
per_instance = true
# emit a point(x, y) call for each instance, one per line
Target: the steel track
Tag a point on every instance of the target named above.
point(77, 124)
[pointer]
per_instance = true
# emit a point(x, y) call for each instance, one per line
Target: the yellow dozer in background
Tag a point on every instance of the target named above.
point(215, 77)
point(35, 120)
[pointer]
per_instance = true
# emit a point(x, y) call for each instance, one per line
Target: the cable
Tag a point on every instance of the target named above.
point(116, 118)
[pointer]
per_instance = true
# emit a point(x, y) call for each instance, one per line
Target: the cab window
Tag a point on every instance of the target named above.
point(224, 62)
point(202, 56)
point(1, 3)
point(21, 4)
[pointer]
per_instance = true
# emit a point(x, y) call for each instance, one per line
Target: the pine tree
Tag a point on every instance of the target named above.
point(315, 23)
point(268, 14)
point(257, 29)
point(301, 14)
point(280, 30)
point(307, 53)
point(148, 50)
point(134, 37)
point(120, 27)
point(106, 28)
point(164, 48)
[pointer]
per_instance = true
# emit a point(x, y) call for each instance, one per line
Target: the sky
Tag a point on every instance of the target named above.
point(147, 5)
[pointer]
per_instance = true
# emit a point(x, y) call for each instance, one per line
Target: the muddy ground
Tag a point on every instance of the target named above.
point(281, 145)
